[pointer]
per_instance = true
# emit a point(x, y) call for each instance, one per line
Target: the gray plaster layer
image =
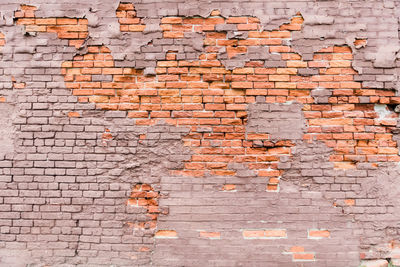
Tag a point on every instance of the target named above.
point(201, 205)
point(281, 121)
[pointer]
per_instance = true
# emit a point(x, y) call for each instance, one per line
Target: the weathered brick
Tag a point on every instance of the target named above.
point(98, 161)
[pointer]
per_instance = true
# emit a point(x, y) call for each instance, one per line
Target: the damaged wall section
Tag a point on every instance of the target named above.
point(139, 133)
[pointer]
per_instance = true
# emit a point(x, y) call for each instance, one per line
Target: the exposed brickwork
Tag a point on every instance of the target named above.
point(264, 234)
point(210, 235)
point(143, 195)
point(127, 18)
point(166, 234)
point(209, 98)
point(314, 233)
point(73, 29)
point(303, 257)
point(299, 254)
point(2, 39)
point(219, 133)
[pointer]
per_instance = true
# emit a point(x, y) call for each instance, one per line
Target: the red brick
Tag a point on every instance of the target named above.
point(237, 20)
point(210, 235)
point(253, 234)
point(166, 234)
point(318, 234)
point(171, 20)
point(303, 256)
point(242, 85)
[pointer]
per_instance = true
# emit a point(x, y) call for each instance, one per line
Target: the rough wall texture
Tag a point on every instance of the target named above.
point(199, 133)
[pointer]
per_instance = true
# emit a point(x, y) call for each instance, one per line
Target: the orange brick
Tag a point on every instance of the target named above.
point(125, 6)
point(83, 92)
point(286, 70)
point(268, 173)
point(68, 35)
point(171, 20)
point(303, 256)
point(46, 21)
point(290, 27)
point(213, 21)
point(132, 202)
point(236, 107)
point(195, 21)
point(215, 13)
point(263, 85)
point(253, 234)
point(19, 14)
point(66, 21)
point(139, 28)
point(297, 249)
point(335, 121)
point(84, 22)
point(257, 136)
point(35, 28)
point(166, 234)
point(210, 235)
point(296, 64)
point(73, 114)
point(25, 21)
point(280, 34)
point(27, 7)
point(242, 85)
point(316, 234)
point(279, 78)
point(264, 234)
point(364, 136)
point(233, 51)
point(279, 150)
point(236, 20)
point(19, 85)
point(129, 20)
point(355, 85)
point(124, 28)
point(272, 188)
point(341, 49)
point(349, 202)
point(360, 42)
point(68, 28)
point(28, 13)
point(275, 233)
point(100, 99)
point(76, 43)
point(340, 64)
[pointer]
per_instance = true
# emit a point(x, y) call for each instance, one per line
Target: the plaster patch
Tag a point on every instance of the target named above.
point(280, 120)
point(386, 55)
point(15, 257)
point(382, 111)
point(6, 128)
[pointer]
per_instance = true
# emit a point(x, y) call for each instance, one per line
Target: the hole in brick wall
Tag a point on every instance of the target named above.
point(391, 107)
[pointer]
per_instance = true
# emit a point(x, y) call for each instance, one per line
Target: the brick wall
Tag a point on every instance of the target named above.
point(193, 133)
